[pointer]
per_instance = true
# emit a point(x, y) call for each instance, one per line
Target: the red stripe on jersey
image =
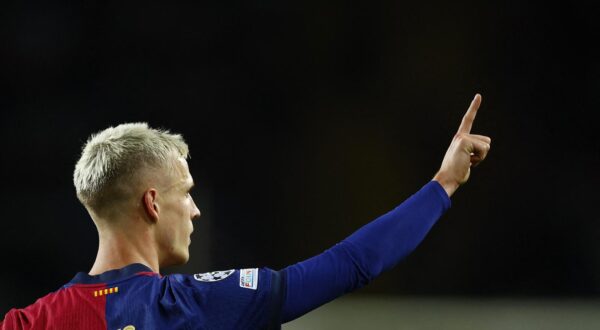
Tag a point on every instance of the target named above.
point(75, 307)
point(149, 274)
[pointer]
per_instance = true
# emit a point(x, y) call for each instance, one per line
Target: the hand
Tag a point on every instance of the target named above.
point(466, 150)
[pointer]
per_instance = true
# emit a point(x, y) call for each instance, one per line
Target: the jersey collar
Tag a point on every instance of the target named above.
point(111, 275)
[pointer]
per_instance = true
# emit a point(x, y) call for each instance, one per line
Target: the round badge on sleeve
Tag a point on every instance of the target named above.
point(213, 276)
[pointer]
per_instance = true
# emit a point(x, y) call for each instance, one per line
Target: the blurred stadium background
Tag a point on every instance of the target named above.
point(308, 119)
point(431, 313)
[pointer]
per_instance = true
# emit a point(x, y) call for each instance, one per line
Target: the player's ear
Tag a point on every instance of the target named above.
point(150, 205)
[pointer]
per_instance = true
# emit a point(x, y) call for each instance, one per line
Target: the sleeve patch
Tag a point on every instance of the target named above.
point(249, 278)
point(213, 276)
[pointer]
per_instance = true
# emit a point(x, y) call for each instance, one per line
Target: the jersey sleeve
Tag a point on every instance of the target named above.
point(234, 299)
point(358, 259)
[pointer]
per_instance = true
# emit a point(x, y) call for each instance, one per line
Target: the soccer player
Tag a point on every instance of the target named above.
point(135, 183)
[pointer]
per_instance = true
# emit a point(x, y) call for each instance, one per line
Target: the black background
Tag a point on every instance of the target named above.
point(306, 120)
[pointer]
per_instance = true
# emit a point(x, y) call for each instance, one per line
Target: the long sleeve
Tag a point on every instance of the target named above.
point(358, 259)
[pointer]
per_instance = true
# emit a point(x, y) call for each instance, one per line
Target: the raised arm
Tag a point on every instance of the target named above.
point(382, 243)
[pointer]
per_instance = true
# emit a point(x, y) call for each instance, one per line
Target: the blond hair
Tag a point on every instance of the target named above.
point(112, 160)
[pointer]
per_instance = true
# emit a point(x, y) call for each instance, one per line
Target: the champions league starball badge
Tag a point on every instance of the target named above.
point(213, 276)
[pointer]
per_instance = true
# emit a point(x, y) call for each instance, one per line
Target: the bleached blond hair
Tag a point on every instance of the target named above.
point(113, 159)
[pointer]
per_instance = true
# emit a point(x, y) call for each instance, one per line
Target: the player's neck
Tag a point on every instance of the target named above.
point(117, 249)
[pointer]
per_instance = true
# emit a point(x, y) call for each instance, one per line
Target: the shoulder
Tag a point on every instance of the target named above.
point(246, 296)
point(42, 313)
point(243, 280)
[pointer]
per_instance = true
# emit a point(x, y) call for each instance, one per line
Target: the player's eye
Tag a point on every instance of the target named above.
point(189, 191)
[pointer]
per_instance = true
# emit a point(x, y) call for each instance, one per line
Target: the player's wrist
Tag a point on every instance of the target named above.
point(449, 185)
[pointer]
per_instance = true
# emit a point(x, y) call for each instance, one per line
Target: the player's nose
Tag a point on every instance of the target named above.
point(195, 211)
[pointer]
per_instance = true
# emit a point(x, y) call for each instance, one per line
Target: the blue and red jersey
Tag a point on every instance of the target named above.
point(134, 297)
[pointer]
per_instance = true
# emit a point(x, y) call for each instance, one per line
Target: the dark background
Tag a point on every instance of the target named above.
point(306, 120)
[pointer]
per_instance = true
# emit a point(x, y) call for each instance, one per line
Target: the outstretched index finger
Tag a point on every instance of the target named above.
point(469, 117)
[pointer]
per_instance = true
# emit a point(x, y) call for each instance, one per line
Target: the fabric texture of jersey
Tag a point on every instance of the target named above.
point(134, 297)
